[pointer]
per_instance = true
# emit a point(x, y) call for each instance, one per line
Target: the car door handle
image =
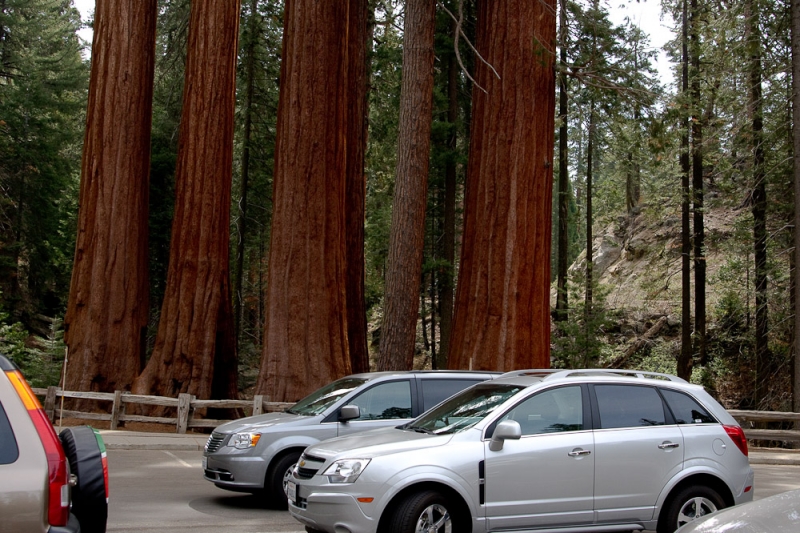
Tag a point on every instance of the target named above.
point(578, 452)
point(668, 445)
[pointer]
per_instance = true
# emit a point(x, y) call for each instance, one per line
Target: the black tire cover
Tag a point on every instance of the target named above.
point(85, 450)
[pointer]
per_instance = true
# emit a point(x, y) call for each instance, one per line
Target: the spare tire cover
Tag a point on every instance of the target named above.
point(86, 454)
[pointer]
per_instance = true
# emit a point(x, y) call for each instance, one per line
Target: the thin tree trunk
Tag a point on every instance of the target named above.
point(447, 280)
point(795, 31)
point(759, 209)
point(698, 236)
point(562, 297)
point(305, 331)
point(249, 66)
point(106, 318)
point(502, 312)
point(195, 348)
point(407, 239)
point(684, 367)
point(589, 296)
point(355, 198)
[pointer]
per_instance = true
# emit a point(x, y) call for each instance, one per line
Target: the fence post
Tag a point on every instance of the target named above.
point(50, 403)
point(115, 409)
point(258, 404)
point(184, 407)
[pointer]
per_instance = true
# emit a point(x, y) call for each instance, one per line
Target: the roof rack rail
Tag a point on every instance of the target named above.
point(615, 372)
point(535, 372)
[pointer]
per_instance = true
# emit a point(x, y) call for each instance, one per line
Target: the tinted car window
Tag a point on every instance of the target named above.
point(435, 391)
point(385, 401)
point(319, 400)
point(623, 406)
point(552, 411)
point(8, 444)
point(685, 409)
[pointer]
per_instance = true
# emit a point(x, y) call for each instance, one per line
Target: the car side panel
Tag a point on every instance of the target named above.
point(631, 469)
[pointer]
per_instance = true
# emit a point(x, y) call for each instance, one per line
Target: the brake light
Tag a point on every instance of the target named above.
point(58, 478)
point(736, 434)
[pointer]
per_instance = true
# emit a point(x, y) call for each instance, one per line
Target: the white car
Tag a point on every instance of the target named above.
point(576, 450)
point(776, 514)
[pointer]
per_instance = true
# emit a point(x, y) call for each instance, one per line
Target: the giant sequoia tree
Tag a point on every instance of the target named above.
point(195, 348)
point(108, 302)
point(502, 318)
point(305, 338)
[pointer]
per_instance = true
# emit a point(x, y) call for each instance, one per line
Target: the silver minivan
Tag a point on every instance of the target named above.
point(577, 450)
point(256, 454)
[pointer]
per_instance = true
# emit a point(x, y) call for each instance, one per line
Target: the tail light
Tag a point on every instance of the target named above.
point(736, 434)
point(58, 477)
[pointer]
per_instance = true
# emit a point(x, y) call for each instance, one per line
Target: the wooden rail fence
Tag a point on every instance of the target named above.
point(186, 405)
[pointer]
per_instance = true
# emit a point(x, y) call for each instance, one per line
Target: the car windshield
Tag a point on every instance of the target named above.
point(463, 410)
point(319, 400)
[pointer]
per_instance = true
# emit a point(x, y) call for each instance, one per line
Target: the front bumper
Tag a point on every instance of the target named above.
point(322, 508)
point(235, 470)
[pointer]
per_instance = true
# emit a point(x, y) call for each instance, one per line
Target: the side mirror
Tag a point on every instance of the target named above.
point(507, 429)
point(349, 412)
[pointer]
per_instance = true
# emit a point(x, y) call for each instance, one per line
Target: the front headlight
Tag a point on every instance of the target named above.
point(243, 441)
point(345, 470)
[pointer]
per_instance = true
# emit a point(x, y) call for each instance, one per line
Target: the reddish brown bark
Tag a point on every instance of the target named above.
point(108, 301)
point(305, 338)
point(407, 239)
point(355, 208)
point(195, 350)
point(502, 301)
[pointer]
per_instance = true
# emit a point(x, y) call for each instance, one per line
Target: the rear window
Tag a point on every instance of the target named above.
point(623, 406)
point(435, 391)
point(685, 409)
point(9, 452)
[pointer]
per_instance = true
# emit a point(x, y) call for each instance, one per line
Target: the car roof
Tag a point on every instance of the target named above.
point(533, 376)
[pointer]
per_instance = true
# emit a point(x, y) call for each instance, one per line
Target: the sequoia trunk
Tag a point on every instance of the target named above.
point(108, 301)
point(305, 338)
point(195, 349)
point(502, 319)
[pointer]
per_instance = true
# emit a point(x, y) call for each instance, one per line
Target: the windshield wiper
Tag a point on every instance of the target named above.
point(420, 429)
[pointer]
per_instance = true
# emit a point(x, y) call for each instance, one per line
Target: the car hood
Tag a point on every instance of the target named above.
point(265, 421)
point(776, 514)
point(377, 442)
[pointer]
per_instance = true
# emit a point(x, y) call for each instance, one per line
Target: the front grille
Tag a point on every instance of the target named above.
point(215, 442)
point(306, 473)
point(313, 458)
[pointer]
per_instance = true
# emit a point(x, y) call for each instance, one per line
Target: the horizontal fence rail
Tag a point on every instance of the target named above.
point(748, 419)
point(185, 404)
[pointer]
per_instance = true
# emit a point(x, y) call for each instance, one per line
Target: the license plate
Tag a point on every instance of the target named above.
point(291, 491)
point(205, 463)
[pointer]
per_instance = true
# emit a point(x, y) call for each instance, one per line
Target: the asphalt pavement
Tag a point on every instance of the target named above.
point(136, 440)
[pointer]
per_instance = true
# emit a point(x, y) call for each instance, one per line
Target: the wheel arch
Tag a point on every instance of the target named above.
point(703, 479)
point(281, 454)
point(449, 492)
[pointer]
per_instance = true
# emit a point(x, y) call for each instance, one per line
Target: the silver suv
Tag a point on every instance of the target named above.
point(256, 454)
point(577, 450)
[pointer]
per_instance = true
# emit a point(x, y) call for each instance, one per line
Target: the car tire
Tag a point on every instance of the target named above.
point(426, 511)
point(686, 505)
point(277, 476)
point(85, 453)
point(310, 529)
